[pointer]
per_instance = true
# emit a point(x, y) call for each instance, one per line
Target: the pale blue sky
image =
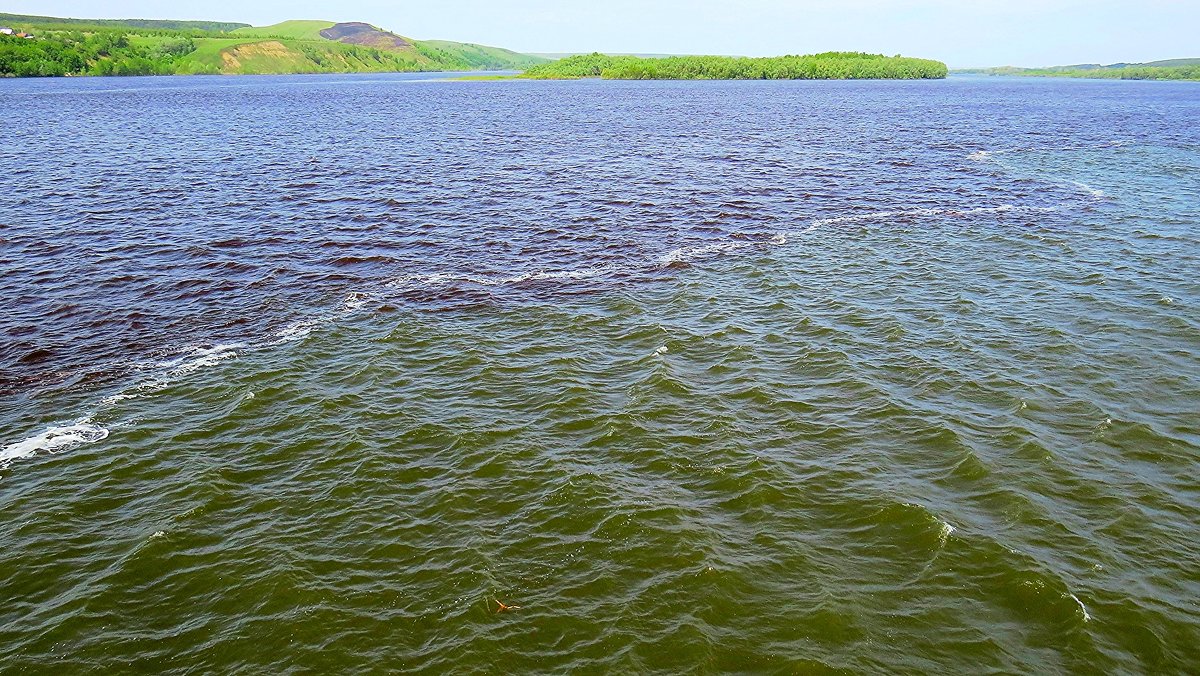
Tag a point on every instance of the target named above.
point(959, 32)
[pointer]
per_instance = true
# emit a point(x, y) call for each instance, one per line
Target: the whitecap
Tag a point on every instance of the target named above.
point(412, 281)
point(689, 253)
point(922, 212)
point(945, 532)
point(1094, 192)
point(54, 440)
point(200, 357)
point(1082, 608)
point(985, 154)
point(301, 329)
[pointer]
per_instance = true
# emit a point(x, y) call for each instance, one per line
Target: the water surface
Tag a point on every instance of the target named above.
point(312, 372)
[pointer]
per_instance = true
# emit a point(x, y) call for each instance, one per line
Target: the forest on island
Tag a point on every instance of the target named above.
point(826, 66)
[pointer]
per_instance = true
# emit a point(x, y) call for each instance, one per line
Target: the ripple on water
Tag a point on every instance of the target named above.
point(761, 390)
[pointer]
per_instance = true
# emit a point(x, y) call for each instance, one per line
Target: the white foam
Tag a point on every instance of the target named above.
point(301, 329)
point(1082, 608)
point(922, 213)
point(946, 531)
point(445, 279)
point(988, 154)
point(1089, 189)
point(985, 155)
point(54, 440)
point(201, 357)
point(296, 331)
point(117, 398)
point(165, 373)
point(688, 253)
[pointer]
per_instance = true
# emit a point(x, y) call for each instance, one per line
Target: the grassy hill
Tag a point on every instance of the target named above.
point(153, 47)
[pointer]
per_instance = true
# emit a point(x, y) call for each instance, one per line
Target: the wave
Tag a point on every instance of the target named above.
point(993, 155)
point(194, 358)
point(1089, 189)
point(924, 213)
point(85, 430)
point(172, 370)
point(301, 329)
point(981, 155)
point(445, 279)
point(53, 439)
point(163, 374)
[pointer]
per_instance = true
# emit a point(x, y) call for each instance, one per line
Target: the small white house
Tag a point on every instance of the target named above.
point(5, 30)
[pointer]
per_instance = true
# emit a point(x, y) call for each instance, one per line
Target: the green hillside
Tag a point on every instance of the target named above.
point(152, 47)
point(479, 57)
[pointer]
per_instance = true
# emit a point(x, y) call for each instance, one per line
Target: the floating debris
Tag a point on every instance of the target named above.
point(502, 608)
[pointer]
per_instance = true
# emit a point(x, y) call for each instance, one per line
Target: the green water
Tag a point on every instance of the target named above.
point(796, 483)
point(924, 433)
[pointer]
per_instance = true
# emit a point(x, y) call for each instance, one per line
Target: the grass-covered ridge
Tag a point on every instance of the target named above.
point(151, 47)
point(826, 66)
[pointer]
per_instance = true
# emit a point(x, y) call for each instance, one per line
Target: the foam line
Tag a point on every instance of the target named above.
point(301, 329)
point(53, 439)
point(980, 155)
point(85, 430)
point(444, 279)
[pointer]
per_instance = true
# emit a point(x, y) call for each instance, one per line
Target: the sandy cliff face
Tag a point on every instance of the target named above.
point(234, 57)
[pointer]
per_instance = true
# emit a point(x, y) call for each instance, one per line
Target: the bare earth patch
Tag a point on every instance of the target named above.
point(358, 33)
point(232, 57)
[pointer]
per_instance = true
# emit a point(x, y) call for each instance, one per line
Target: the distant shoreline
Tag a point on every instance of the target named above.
point(1171, 69)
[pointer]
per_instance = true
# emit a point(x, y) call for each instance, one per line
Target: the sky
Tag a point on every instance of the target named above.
point(963, 33)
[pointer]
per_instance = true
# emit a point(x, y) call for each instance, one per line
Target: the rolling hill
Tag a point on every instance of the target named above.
point(161, 47)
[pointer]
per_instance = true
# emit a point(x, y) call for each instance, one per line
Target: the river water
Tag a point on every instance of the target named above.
point(315, 373)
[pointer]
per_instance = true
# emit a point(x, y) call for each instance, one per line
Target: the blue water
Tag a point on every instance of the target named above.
point(319, 371)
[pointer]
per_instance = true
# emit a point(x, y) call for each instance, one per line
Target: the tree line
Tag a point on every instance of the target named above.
point(826, 66)
point(1123, 73)
point(106, 52)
